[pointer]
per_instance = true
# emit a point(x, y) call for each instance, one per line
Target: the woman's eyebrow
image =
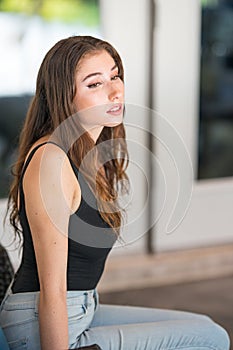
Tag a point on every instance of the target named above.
point(91, 75)
point(97, 73)
point(114, 67)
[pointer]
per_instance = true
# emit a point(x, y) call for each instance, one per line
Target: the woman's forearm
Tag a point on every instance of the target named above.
point(53, 322)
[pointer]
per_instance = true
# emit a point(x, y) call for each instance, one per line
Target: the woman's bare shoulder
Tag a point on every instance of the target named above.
point(51, 162)
point(41, 141)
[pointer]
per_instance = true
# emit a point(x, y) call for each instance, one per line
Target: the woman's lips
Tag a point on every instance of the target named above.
point(116, 109)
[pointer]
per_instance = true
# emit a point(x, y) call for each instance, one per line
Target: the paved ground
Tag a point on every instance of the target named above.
point(211, 297)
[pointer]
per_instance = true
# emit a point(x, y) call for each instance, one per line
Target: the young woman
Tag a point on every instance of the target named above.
point(72, 160)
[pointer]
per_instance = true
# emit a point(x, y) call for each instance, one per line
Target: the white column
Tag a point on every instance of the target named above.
point(125, 24)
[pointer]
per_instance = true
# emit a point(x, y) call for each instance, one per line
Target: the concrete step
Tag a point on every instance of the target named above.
point(141, 270)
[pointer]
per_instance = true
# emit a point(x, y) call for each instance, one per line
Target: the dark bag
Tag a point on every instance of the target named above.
point(6, 272)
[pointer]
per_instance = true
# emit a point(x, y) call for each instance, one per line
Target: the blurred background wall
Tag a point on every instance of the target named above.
point(179, 79)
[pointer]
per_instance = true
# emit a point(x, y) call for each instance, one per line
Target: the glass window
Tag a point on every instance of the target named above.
point(29, 29)
point(216, 90)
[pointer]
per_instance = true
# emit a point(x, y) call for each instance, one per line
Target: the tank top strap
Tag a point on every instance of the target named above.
point(33, 151)
point(31, 154)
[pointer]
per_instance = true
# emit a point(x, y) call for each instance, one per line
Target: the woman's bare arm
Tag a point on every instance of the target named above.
point(51, 192)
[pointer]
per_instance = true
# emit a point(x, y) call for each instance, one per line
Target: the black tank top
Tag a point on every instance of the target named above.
point(90, 240)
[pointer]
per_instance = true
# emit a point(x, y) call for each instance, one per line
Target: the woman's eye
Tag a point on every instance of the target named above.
point(94, 85)
point(115, 77)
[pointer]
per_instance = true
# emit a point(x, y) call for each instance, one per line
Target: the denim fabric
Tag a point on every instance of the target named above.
point(138, 328)
point(111, 327)
point(19, 317)
point(3, 342)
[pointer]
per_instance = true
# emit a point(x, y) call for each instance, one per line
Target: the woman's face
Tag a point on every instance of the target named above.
point(99, 98)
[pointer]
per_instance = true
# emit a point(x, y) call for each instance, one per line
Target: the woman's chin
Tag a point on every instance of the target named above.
point(113, 123)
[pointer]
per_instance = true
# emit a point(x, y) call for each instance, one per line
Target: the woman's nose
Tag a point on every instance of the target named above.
point(115, 93)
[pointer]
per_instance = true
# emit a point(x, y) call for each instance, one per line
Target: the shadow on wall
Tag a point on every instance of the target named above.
point(13, 110)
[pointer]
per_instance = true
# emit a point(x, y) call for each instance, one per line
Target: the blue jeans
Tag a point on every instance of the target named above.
point(111, 327)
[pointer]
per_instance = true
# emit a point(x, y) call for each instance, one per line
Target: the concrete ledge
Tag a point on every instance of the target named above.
point(137, 271)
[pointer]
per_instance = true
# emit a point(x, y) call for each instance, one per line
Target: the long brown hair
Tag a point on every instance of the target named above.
point(51, 106)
